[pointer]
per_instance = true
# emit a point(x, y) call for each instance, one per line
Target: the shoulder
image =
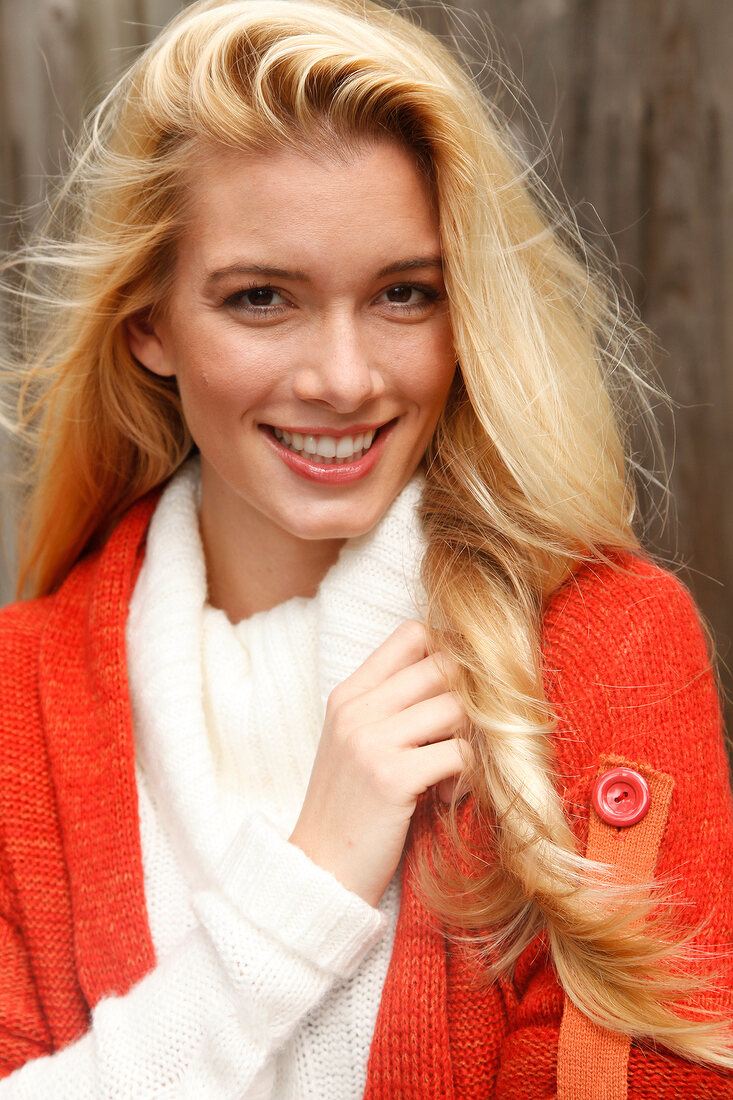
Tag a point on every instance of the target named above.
point(38, 636)
point(606, 613)
point(24, 631)
point(627, 666)
point(21, 629)
point(22, 624)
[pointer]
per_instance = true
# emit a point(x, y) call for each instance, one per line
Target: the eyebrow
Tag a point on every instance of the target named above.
point(408, 265)
point(268, 272)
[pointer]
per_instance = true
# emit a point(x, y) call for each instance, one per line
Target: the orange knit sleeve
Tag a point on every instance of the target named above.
point(32, 873)
point(628, 674)
point(23, 1031)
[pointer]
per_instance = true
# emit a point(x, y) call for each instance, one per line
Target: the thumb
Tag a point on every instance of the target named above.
point(446, 787)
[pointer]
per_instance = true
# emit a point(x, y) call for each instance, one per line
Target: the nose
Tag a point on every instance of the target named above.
point(338, 370)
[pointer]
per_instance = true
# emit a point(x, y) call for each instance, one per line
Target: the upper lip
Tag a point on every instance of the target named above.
point(337, 433)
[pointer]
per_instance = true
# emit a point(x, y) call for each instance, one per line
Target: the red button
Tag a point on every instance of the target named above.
point(621, 797)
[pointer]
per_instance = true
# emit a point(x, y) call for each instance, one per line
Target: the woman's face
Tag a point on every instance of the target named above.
point(308, 331)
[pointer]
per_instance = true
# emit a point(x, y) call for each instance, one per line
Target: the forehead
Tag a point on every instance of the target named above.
point(299, 207)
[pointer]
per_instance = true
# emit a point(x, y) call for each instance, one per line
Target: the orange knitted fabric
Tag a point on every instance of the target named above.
point(592, 1063)
point(627, 674)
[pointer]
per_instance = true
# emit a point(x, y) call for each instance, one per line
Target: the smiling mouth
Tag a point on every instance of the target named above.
point(328, 450)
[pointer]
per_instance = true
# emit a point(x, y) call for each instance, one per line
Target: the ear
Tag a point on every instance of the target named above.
point(147, 342)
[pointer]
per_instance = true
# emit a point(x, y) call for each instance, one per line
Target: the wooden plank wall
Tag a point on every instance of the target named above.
point(637, 97)
point(56, 58)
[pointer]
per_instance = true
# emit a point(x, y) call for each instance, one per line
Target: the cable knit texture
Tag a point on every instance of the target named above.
point(627, 673)
point(227, 720)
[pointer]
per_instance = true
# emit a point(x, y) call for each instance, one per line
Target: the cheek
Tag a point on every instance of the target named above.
point(422, 362)
point(225, 378)
point(433, 370)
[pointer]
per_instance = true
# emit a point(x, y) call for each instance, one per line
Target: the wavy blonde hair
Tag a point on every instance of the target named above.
point(528, 457)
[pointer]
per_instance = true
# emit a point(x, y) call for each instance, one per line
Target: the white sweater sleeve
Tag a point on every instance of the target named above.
point(274, 935)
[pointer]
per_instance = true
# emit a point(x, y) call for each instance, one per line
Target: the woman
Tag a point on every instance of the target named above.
point(399, 569)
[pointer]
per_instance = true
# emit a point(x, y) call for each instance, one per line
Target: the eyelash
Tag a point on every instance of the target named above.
point(238, 301)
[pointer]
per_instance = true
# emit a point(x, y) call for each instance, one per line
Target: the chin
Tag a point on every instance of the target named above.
point(336, 531)
point(328, 529)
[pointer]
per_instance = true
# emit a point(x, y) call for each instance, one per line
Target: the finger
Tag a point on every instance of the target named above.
point(431, 720)
point(446, 788)
point(435, 763)
point(404, 647)
point(425, 679)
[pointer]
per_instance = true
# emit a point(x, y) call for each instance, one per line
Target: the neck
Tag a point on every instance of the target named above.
point(252, 568)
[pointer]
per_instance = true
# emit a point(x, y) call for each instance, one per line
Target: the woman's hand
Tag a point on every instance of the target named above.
point(390, 733)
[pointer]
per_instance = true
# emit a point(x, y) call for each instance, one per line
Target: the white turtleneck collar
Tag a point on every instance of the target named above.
point(227, 718)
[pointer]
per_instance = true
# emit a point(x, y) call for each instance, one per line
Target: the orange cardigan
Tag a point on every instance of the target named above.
point(627, 673)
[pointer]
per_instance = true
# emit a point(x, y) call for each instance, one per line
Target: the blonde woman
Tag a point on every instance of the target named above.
point(350, 745)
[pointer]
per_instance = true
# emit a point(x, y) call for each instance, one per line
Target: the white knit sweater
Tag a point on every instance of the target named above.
point(269, 972)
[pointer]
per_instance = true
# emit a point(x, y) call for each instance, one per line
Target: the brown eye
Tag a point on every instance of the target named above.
point(256, 300)
point(401, 293)
point(413, 298)
point(260, 296)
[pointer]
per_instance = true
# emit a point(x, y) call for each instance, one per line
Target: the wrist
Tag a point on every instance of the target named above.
point(340, 862)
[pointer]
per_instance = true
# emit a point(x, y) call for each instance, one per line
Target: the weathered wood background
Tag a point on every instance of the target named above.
point(637, 97)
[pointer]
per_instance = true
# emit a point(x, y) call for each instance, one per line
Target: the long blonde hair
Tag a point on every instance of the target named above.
point(529, 456)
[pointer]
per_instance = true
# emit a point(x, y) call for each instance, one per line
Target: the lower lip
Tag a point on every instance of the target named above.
point(332, 473)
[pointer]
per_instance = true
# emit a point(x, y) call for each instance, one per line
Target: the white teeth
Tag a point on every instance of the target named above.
point(327, 449)
point(326, 446)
